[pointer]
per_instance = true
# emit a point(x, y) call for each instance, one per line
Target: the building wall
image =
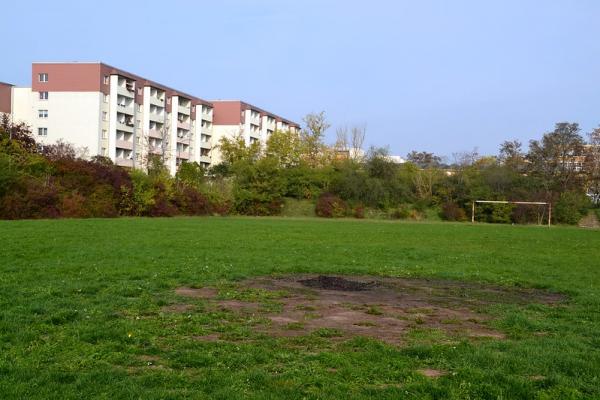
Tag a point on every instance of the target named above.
point(22, 105)
point(73, 117)
point(220, 131)
point(5, 98)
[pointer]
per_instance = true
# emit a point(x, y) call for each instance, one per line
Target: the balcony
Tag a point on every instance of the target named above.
point(183, 125)
point(125, 109)
point(205, 159)
point(122, 90)
point(156, 117)
point(183, 154)
point(184, 140)
point(124, 144)
point(155, 133)
point(206, 130)
point(207, 116)
point(124, 162)
point(205, 145)
point(156, 101)
point(184, 110)
point(157, 150)
point(121, 126)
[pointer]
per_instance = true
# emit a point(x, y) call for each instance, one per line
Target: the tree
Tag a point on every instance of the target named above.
point(235, 149)
point(190, 174)
point(357, 139)
point(312, 137)
point(285, 147)
point(511, 155)
point(553, 159)
point(592, 165)
point(423, 159)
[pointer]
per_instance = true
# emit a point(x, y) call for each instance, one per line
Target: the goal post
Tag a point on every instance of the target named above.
point(536, 203)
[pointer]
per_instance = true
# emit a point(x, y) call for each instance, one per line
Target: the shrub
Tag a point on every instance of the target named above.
point(571, 207)
point(359, 211)
point(330, 206)
point(452, 212)
point(190, 201)
point(402, 212)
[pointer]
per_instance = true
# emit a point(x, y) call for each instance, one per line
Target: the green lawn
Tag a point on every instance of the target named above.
point(80, 310)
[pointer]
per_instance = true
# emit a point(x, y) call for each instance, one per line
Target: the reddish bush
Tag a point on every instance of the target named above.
point(330, 206)
point(452, 212)
point(73, 206)
point(33, 200)
point(189, 201)
point(359, 211)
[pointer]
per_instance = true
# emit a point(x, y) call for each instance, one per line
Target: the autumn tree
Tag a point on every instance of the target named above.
point(553, 159)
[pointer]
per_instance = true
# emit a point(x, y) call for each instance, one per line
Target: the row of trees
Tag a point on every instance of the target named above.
point(340, 180)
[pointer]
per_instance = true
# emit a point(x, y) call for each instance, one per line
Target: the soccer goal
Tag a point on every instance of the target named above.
point(532, 203)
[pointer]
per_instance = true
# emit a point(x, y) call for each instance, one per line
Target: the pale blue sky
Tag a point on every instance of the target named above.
point(442, 76)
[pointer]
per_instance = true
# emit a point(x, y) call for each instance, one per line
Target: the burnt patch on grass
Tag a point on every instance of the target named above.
point(380, 308)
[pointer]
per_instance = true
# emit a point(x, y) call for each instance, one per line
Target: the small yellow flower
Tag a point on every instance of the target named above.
point(129, 334)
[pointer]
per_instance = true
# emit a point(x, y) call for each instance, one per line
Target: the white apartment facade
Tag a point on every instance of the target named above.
point(113, 113)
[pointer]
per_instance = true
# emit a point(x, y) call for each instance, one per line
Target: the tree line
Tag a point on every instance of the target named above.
point(339, 180)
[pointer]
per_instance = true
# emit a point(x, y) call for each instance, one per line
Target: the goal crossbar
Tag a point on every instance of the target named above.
point(537, 203)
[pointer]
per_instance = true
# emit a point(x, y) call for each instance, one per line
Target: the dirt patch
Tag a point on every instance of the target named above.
point(432, 373)
point(177, 308)
point(203, 293)
point(383, 308)
point(337, 283)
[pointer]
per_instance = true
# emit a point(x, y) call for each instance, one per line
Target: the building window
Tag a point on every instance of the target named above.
point(42, 113)
point(104, 134)
point(104, 116)
point(43, 77)
point(106, 98)
point(42, 131)
point(139, 107)
point(106, 79)
point(43, 95)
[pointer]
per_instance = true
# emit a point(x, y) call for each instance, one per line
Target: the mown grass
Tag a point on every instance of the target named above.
point(81, 310)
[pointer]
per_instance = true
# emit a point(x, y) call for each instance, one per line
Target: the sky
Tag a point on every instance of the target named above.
point(439, 76)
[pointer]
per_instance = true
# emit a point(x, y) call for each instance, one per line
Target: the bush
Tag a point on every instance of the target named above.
point(571, 207)
point(190, 201)
point(359, 211)
point(330, 206)
point(452, 212)
point(402, 212)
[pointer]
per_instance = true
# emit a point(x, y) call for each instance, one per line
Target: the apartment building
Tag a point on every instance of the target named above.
point(5, 98)
point(235, 117)
point(113, 113)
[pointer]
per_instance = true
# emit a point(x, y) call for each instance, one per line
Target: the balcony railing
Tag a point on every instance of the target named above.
point(124, 144)
point(121, 126)
point(125, 92)
point(124, 162)
point(156, 101)
point(183, 125)
point(156, 117)
point(155, 133)
point(125, 109)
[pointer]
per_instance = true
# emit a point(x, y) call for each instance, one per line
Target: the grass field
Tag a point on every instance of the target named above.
point(82, 310)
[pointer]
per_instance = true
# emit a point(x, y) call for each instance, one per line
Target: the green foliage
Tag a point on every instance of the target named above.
point(571, 207)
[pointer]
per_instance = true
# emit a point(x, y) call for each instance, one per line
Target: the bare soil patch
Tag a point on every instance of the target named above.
point(380, 308)
point(431, 373)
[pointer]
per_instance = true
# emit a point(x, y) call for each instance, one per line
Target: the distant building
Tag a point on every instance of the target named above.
point(235, 117)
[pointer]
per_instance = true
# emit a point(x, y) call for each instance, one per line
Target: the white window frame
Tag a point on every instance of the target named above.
point(44, 95)
point(43, 114)
point(42, 131)
point(43, 77)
